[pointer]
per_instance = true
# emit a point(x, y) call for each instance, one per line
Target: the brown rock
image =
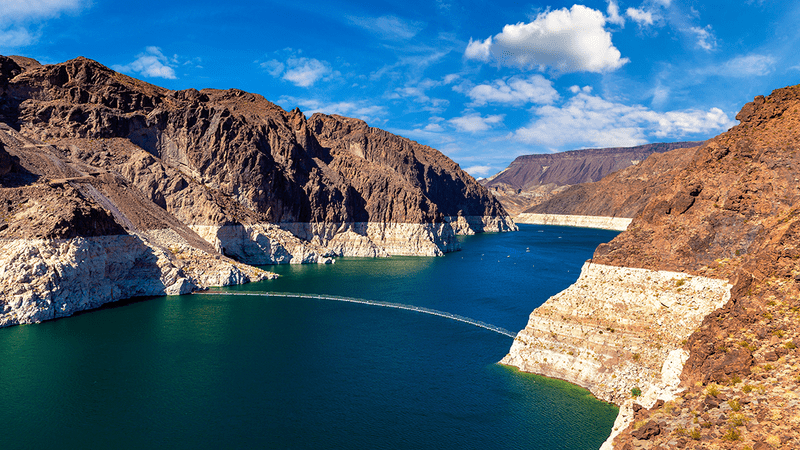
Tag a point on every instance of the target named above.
point(647, 431)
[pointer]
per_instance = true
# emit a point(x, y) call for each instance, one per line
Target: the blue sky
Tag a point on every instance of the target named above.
point(483, 82)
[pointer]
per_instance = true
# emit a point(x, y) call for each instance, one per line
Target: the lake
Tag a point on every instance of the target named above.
point(231, 371)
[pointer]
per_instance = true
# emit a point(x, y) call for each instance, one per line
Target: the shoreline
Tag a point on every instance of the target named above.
point(569, 220)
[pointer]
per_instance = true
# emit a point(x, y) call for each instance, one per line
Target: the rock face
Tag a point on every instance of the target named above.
point(730, 215)
point(620, 194)
point(615, 329)
point(190, 186)
point(532, 179)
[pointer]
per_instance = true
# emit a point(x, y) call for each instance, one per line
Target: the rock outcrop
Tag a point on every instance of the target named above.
point(730, 215)
point(188, 187)
point(533, 179)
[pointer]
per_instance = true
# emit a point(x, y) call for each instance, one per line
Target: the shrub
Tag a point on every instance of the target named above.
point(738, 419)
point(734, 404)
point(636, 391)
point(732, 435)
point(712, 389)
point(695, 434)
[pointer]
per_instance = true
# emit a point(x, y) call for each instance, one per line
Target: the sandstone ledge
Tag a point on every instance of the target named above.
point(606, 223)
point(616, 329)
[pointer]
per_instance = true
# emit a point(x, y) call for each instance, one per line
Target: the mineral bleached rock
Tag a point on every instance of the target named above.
point(617, 328)
point(43, 279)
point(606, 223)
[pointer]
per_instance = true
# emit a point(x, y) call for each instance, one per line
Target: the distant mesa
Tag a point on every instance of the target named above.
point(533, 179)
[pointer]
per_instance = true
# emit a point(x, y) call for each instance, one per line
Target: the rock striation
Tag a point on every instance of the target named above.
point(729, 216)
point(189, 187)
point(573, 220)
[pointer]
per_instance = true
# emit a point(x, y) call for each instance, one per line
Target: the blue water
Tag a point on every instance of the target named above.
point(225, 371)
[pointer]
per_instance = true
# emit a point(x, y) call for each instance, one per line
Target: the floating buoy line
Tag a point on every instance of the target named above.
point(420, 309)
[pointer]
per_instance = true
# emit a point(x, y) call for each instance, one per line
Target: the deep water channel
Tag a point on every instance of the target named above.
point(231, 371)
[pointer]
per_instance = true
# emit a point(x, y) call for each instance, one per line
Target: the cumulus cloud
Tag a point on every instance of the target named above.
point(640, 16)
point(587, 120)
point(388, 27)
point(479, 50)
point(152, 63)
point(479, 170)
point(564, 40)
point(613, 13)
point(705, 37)
point(474, 122)
point(515, 91)
point(300, 71)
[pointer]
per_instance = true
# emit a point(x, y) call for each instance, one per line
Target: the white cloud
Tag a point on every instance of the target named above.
point(17, 17)
point(388, 27)
point(705, 37)
point(17, 37)
point(749, 66)
point(474, 122)
point(640, 16)
point(564, 40)
point(15, 11)
point(480, 50)
point(587, 120)
point(361, 109)
point(433, 128)
point(299, 70)
point(613, 13)
point(304, 72)
point(479, 170)
point(516, 91)
point(152, 63)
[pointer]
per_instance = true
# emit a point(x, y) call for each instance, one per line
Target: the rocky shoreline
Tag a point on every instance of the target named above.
point(618, 330)
point(570, 220)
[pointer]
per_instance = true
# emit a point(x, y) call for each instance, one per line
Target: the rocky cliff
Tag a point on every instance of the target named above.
point(532, 179)
point(729, 216)
point(615, 199)
point(195, 185)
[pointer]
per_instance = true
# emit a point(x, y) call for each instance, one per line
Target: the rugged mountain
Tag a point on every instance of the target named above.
point(621, 194)
point(533, 179)
point(192, 175)
point(730, 215)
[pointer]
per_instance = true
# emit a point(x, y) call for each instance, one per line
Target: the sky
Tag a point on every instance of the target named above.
point(483, 82)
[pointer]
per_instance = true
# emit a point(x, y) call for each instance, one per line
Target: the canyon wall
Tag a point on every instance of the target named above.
point(704, 283)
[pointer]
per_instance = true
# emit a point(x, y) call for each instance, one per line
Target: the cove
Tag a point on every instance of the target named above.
point(234, 371)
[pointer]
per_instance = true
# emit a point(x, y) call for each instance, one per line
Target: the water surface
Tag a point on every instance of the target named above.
point(212, 371)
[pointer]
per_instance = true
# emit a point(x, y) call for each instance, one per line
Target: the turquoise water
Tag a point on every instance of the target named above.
point(224, 371)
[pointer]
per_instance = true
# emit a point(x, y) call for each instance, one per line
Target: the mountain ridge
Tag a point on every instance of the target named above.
point(197, 185)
